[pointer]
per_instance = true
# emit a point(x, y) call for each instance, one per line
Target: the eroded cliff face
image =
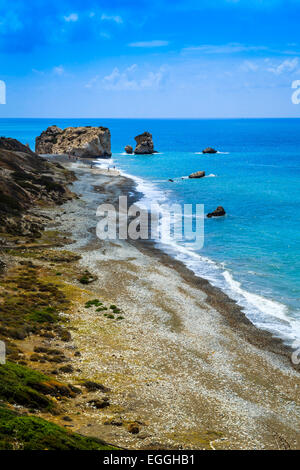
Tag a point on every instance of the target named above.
point(76, 141)
point(27, 180)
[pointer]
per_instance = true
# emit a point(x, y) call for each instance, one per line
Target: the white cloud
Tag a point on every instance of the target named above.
point(92, 82)
point(105, 35)
point(230, 48)
point(59, 70)
point(72, 17)
point(249, 66)
point(116, 18)
point(154, 43)
point(288, 65)
point(128, 80)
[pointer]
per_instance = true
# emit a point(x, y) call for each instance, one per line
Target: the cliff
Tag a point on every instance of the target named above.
point(26, 180)
point(77, 141)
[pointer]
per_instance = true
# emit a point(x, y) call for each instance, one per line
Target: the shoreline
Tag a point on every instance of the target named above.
point(227, 305)
point(178, 331)
point(258, 315)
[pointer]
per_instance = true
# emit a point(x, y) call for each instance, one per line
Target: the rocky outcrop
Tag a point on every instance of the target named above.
point(197, 174)
point(76, 141)
point(26, 180)
point(144, 144)
point(219, 212)
point(128, 149)
point(209, 150)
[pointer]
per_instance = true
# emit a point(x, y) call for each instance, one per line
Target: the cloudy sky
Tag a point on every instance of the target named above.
point(149, 58)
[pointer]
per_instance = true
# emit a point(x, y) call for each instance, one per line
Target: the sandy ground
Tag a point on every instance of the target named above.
point(184, 363)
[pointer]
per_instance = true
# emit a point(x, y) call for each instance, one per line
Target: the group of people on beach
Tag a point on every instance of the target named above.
point(72, 157)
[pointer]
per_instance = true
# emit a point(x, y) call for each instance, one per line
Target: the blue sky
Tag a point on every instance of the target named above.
point(149, 58)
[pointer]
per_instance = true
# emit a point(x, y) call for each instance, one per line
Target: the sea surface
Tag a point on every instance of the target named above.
point(253, 253)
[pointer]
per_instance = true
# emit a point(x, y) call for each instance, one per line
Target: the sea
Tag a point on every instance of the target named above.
point(252, 253)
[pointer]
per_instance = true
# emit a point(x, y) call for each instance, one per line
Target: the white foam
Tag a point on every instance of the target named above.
point(265, 313)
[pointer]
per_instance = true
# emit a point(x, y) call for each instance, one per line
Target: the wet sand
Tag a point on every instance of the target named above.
point(184, 363)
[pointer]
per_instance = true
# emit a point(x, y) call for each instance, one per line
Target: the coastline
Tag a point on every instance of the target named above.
point(209, 336)
point(217, 297)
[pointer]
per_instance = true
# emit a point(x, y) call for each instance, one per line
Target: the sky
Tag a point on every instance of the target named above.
point(149, 58)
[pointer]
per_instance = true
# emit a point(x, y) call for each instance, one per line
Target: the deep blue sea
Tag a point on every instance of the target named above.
point(253, 253)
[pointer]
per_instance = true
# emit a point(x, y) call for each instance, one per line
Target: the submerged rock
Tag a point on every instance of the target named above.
point(128, 149)
point(76, 141)
point(209, 150)
point(219, 212)
point(197, 174)
point(144, 145)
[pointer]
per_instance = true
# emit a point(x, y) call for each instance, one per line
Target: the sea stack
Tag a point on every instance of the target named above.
point(219, 212)
point(128, 149)
point(144, 145)
point(76, 141)
point(197, 174)
point(209, 150)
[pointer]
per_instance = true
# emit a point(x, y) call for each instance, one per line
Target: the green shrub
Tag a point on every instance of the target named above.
point(31, 433)
point(20, 385)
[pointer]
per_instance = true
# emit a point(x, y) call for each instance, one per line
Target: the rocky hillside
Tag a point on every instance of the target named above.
point(76, 141)
point(26, 180)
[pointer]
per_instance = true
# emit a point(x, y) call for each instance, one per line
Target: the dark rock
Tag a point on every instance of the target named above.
point(144, 145)
point(219, 212)
point(133, 428)
point(113, 423)
point(67, 418)
point(94, 386)
point(66, 369)
point(99, 404)
point(209, 150)
point(198, 174)
point(129, 149)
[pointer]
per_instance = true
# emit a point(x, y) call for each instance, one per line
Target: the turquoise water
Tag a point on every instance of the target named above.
point(253, 253)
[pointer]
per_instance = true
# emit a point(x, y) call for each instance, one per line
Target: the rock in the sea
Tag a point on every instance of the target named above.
point(144, 144)
point(198, 174)
point(128, 149)
point(209, 150)
point(25, 180)
point(76, 141)
point(219, 212)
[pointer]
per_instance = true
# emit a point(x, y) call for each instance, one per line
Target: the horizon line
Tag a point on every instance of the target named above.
point(158, 118)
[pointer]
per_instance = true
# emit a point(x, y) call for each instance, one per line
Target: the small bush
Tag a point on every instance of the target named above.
point(19, 432)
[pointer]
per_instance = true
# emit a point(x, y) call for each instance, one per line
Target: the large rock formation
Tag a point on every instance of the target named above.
point(219, 212)
point(144, 144)
point(197, 174)
point(77, 141)
point(26, 180)
point(209, 150)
